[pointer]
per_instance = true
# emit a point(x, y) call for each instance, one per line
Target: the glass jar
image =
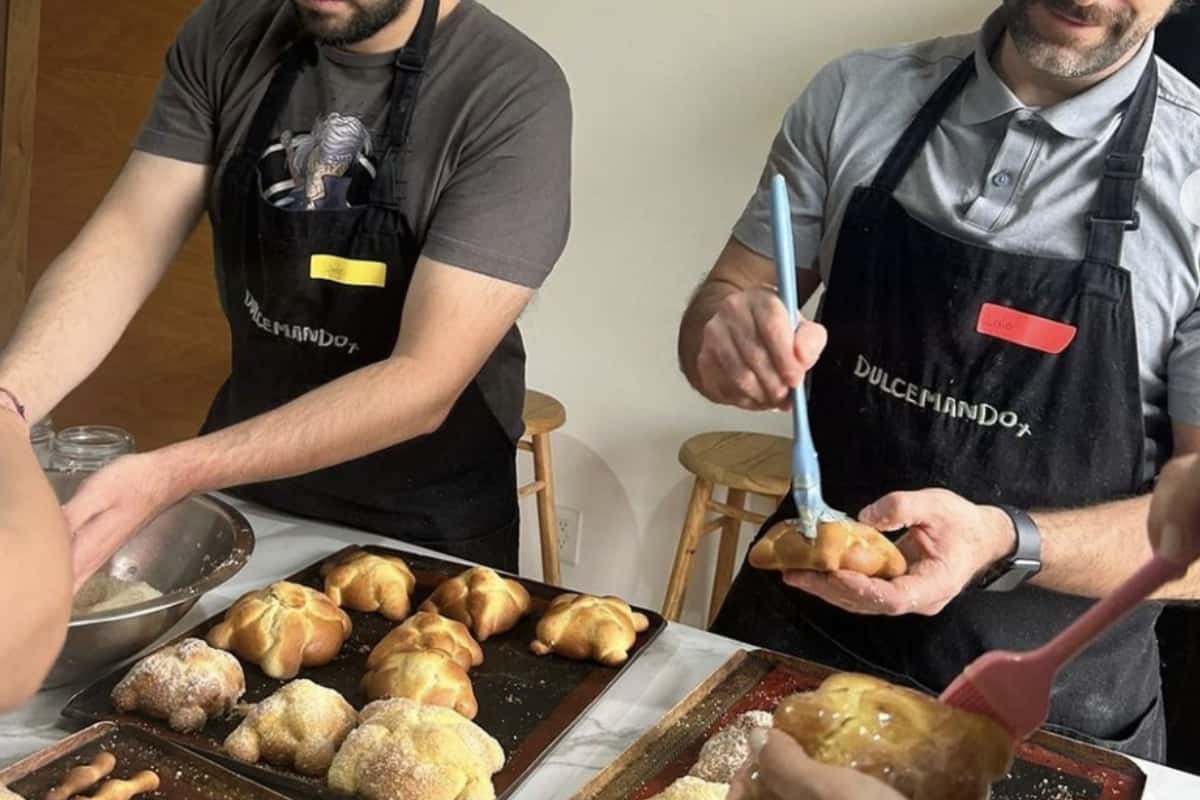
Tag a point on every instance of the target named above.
point(89, 447)
point(41, 436)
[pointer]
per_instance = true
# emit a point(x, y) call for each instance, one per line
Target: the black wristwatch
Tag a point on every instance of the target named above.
point(1023, 562)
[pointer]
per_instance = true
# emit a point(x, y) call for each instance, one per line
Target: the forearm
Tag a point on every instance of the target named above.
point(89, 294)
point(355, 415)
point(35, 570)
point(73, 319)
point(1091, 551)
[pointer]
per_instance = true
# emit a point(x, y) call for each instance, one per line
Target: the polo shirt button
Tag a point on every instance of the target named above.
point(1001, 179)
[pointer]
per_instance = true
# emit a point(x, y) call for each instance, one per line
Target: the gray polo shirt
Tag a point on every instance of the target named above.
point(1008, 176)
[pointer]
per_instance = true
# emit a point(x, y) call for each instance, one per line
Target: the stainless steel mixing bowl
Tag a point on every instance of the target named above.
point(190, 549)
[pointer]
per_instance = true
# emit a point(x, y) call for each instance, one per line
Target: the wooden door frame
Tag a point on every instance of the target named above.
point(20, 26)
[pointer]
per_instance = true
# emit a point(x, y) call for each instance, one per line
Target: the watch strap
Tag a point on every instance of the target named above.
point(1024, 562)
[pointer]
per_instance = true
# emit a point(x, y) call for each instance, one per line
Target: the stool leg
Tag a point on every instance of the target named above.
point(689, 539)
point(730, 533)
point(547, 516)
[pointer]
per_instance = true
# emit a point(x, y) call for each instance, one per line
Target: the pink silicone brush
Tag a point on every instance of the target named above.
point(1014, 688)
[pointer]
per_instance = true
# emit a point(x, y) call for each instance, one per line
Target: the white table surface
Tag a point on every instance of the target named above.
point(678, 661)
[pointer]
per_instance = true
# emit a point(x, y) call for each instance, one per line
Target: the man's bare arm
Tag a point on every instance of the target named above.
point(453, 320)
point(1091, 551)
point(88, 295)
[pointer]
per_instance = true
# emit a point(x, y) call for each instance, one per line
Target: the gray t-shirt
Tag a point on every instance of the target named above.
point(1004, 175)
point(488, 172)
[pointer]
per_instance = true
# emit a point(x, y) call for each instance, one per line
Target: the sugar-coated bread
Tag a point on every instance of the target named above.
point(404, 749)
point(299, 727)
point(724, 755)
point(185, 684)
point(690, 787)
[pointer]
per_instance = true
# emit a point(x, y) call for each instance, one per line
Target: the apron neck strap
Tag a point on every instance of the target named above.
point(388, 189)
point(1116, 208)
point(912, 141)
point(299, 55)
point(410, 68)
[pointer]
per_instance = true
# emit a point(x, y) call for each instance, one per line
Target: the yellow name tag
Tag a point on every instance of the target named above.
point(348, 271)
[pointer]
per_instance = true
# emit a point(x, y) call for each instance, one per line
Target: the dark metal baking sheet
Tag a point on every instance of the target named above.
point(527, 703)
point(183, 775)
point(1047, 767)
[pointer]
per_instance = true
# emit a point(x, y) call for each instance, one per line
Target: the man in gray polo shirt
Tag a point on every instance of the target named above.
point(1007, 228)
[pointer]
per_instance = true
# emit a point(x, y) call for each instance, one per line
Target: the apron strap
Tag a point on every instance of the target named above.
point(1116, 210)
point(258, 136)
point(388, 190)
point(910, 144)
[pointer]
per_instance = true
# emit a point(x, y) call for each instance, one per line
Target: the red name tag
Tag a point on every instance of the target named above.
point(1014, 326)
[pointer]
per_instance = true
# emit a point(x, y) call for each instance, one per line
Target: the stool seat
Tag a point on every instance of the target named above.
point(542, 413)
point(748, 462)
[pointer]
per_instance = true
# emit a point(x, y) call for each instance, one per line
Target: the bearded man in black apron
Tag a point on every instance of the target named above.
point(388, 184)
point(1008, 230)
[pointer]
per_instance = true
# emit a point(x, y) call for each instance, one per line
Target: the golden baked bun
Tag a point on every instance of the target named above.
point(693, 788)
point(402, 749)
point(299, 727)
point(922, 748)
point(428, 631)
point(481, 600)
point(282, 628)
point(362, 581)
point(844, 544)
point(582, 627)
point(185, 684)
point(426, 676)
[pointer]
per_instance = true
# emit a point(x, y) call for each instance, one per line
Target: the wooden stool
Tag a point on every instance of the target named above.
point(745, 463)
point(543, 414)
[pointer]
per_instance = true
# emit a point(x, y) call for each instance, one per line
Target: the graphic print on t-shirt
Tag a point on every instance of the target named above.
point(326, 168)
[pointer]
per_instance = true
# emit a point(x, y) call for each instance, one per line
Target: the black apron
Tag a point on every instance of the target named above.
point(454, 489)
point(909, 395)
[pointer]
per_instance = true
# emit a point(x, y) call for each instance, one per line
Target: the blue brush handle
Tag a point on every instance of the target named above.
point(806, 475)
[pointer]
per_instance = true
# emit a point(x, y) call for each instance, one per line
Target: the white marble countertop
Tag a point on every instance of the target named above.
point(678, 661)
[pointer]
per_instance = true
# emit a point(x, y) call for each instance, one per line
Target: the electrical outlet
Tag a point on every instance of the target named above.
point(570, 534)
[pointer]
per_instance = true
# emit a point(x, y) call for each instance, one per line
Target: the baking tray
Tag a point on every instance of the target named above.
point(526, 702)
point(1047, 767)
point(183, 775)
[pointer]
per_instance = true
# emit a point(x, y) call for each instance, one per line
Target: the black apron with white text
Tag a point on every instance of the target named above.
point(1005, 378)
point(313, 295)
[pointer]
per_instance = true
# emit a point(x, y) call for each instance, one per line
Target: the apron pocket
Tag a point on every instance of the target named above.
point(1145, 737)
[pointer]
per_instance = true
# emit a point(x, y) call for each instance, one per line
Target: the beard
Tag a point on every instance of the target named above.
point(366, 18)
point(1065, 59)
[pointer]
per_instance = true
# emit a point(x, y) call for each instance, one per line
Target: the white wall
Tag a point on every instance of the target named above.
point(676, 103)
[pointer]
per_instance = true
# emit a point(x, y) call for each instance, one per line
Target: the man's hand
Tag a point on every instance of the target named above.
point(114, 504)
point(1175, 510)
point(785, 772)
point(749, 356)
point(736, 343)
point(949, 541)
